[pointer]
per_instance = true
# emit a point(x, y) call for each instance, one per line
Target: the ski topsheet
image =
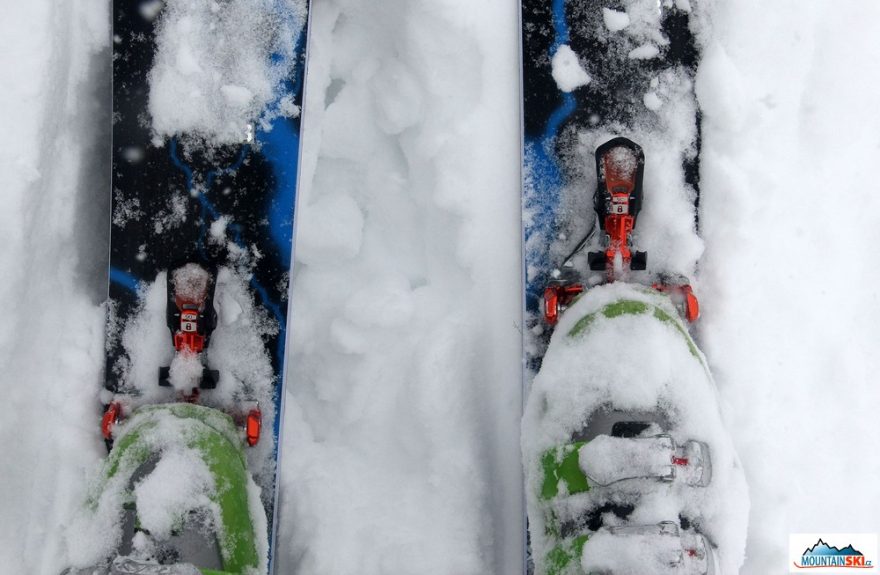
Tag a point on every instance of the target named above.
point(628, 467)
point(593, 71)
point(207, 103)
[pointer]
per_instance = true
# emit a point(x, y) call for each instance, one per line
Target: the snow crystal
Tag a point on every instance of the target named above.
point(172, 215)
point(217, 230)
point(127, 210)
point(147, 343)
point(288, 107)
point(614, 20)
point(567, 70)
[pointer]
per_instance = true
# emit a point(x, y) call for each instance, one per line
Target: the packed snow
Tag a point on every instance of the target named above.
point(401, 448)
point(398, 454)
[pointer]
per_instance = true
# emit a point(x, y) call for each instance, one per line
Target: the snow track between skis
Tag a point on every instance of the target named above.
point(400, 450)
point(55, 162)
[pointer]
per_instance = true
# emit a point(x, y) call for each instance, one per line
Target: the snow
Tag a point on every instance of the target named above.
point(399, 429)
point(638, 22)
point(185, 372)
point(401, 439)
point(644, 52)
point(622, 161)
point(174, 492)
point(789, 281)
point(333, 231)
point(180, 483)
point(607, 459)
point(190, 283)
point(213, 75)
point(567, 70)
point(652, 101)
point(639, 554)
point(217, 230)
point(615, 20)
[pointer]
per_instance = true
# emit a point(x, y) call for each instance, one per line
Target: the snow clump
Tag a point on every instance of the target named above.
point(216, 68)
point(179, 483)
point(615, 21)
point(567, 70)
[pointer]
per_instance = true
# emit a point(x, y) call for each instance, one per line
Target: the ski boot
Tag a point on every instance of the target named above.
point(619, 446)
point(593, 485)
point(663, 548)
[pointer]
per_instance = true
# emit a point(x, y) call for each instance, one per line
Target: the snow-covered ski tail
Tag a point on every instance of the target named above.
point(205, 173)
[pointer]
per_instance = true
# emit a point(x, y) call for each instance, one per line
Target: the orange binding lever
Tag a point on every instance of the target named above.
point(557, 298)
point(683, 296)
point(253, 426)
point(111, 417)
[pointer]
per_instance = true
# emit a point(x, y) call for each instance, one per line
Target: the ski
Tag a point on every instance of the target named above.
point(628, 466)
point(207, 110)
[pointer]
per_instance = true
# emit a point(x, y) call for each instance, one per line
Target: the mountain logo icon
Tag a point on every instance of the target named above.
point(824, 555)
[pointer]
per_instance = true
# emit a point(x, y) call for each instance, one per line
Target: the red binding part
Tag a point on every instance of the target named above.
point(557, 298)
point(619, 222)
point(253, 426)
point(187, 337)
point(690, 304)
point(111, 417)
